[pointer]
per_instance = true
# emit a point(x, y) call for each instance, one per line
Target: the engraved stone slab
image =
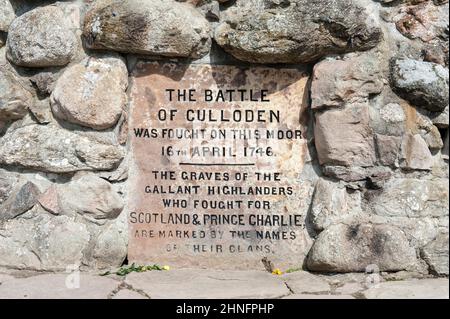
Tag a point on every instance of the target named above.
point(217, 153)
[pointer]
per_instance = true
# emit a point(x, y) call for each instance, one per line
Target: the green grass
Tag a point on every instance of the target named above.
point(125, 270)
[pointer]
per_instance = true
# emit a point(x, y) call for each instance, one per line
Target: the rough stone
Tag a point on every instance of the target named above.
point(331, 203)
point(413, 289)
point(424, 84)
point(424, 21)
point(391, 118)
point(165, 28)
point(302, 282)
point(22, 199)
point(207, 284)
point(352, 248)
point(91, 197)
point(408, 197)
point(393, 113)
point(118, 175)
point(41, 111)
point(349, 288)
point(415, 154)
point(112, 243)
point(92, 92)
point(355, 175)
point(436, 255)
point(41, 38)
point(388, 149)
point(8, 181)
point(128, 294)
point(419, 231)
point(344, 137)
point(14, 98)
point(338, 82)
point(59, 286)
point(7, 15)
point(42, 242)
point(429, 132)
point(295, 31)
point(44, 82)
point(51, 149)
point(445, 148)
point(49, 200)
point(440, 119)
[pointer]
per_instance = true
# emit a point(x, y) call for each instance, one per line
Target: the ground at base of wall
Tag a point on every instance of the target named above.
point(216, 284)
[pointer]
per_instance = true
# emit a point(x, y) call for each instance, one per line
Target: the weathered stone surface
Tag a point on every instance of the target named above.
point(356, 173)
point(302, 282)
point(331, 203)
point(352, 80)
point(424, 84)
point(419, 231)
point(436, 255)
point(348, 248)
point(44, 82)
point(424, 21)
point(92, 92)
point(210, 9)
point(157, 27)
point(42, 242)
point(392, 113)
point(59, 286)
point(118, 175)
point(430, 133)
point(49, 200)
point(4, 278)
point(294, 31)
point(51, 149)
point(388, 149)
point(87, 195)
point(408, 197)
point(41, 111)
point(350, 288)
point(440, 119)
point(41, 38)
point(22, 199)
point(7, 182)
point(415, 154)
point(14, 98)
point(412, 289)
point(128, 294)
point(344, 137)
point(436, 53)
point(112, 243)
point(445, 148)
point(7, 15)
point(90, 286)
point(207, 284)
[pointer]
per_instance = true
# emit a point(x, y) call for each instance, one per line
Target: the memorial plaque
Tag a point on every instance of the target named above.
point(217, 153)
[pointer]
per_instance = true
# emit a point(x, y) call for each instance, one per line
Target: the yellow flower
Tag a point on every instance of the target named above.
point(277, 272)
point(166, 268)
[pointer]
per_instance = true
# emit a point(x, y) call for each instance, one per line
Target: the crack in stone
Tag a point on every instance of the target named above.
point(224, 279)
point(289, 288)
point(124, 286)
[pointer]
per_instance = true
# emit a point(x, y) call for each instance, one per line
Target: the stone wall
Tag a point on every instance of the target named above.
point(376, 174)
